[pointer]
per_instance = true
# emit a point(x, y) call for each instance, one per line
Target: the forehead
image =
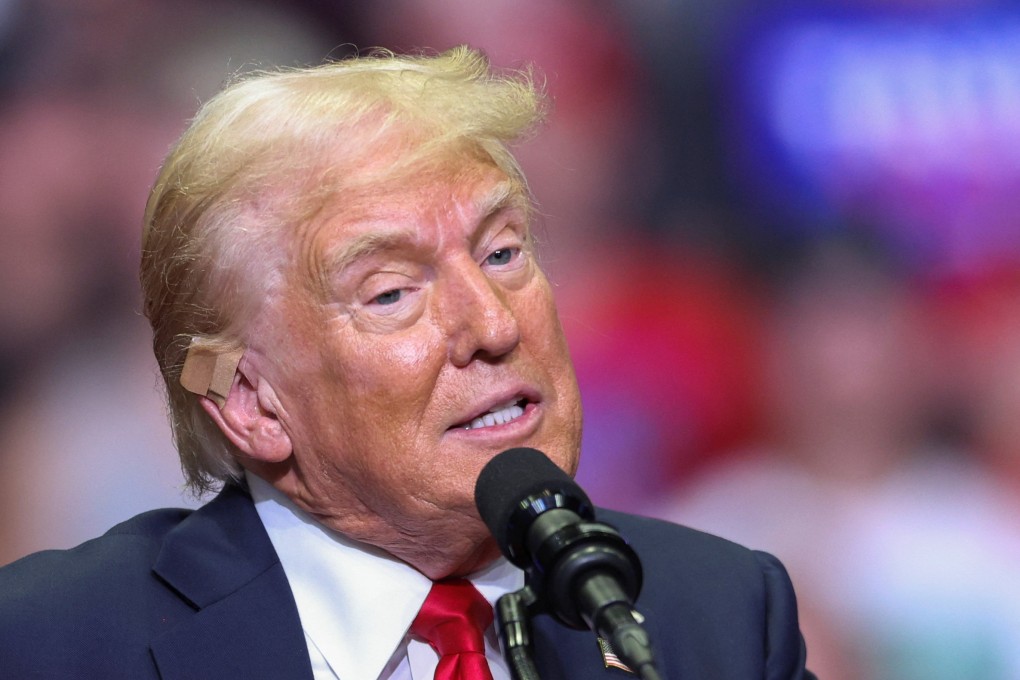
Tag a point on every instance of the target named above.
point(415, 209)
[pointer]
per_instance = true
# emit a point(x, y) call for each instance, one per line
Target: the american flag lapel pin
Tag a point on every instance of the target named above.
point(609, 657)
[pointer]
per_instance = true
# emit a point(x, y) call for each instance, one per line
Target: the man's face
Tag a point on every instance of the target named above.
point(416, 338)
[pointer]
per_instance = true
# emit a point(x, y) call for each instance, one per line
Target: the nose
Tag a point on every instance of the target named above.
point(480, 322)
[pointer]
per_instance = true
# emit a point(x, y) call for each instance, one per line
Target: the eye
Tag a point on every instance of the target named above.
point(389, 297)
point(503, 256)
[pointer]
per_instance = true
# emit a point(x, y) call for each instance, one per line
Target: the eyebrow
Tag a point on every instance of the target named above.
point(335, 261)
point(505, 195)
point(362, 246)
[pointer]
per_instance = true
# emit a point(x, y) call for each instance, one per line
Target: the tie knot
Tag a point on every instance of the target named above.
point(454, 618)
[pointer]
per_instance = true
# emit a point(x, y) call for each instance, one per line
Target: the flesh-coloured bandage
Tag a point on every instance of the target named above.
point(210, 373)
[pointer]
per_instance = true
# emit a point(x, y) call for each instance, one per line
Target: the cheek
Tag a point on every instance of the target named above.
point(384, 382)
point(409, 357)
point(541, 329)
point(547, 345)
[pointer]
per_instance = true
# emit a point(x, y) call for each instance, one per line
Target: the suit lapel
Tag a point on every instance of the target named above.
point(246, 624)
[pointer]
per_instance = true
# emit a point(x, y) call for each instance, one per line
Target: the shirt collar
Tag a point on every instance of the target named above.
point(356, 602)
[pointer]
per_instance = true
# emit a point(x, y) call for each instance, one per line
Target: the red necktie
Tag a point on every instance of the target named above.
point(453, 620)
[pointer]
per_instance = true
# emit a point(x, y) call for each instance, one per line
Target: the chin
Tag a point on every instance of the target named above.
point(458, 560)
point(483, 556)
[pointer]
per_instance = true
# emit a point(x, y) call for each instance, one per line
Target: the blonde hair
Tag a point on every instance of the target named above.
point(253, 164)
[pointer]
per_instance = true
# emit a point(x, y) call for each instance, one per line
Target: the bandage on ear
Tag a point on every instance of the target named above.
point(210, 373)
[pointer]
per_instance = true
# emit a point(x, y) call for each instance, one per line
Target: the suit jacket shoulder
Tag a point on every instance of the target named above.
point(713, 609)
point(168, 594)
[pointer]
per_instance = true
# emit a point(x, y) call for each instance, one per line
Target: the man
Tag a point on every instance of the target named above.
point(340, 275)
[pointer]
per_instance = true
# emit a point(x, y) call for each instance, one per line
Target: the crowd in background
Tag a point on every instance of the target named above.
point(785, 241)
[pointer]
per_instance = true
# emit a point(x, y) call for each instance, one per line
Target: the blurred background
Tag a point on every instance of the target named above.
point(785, 239)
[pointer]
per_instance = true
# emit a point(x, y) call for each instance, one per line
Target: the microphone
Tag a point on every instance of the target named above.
point(582, 571)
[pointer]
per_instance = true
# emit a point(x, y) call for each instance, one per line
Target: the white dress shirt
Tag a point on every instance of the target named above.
point(356, 602)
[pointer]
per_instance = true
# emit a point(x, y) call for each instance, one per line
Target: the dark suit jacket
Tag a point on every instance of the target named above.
point(183, 595)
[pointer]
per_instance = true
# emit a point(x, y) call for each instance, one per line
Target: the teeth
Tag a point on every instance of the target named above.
point(497, 416)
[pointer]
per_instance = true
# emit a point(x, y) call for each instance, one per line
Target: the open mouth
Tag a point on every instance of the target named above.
point(497, 415)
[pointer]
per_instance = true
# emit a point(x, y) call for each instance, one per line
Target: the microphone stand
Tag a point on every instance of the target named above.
point(513, 611)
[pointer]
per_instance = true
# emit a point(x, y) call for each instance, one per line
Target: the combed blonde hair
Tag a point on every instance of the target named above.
point(260, 158)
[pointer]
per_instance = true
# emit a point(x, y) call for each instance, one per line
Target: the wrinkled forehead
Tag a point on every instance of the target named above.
point(433, 184)
point(388, 199)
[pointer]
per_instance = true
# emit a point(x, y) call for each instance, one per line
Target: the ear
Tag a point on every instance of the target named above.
point(249, 418)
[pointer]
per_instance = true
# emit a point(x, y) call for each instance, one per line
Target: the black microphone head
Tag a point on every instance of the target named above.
point(517, 485)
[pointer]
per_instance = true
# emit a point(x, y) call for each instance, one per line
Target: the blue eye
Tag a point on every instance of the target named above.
point(501, 256)
point(389, 297)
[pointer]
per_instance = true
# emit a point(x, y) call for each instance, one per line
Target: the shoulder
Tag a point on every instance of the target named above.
point(662, 541)
point(688, 555)
point(102, 593)
point(167, 582)
point(129, 546)
point(711, 593)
